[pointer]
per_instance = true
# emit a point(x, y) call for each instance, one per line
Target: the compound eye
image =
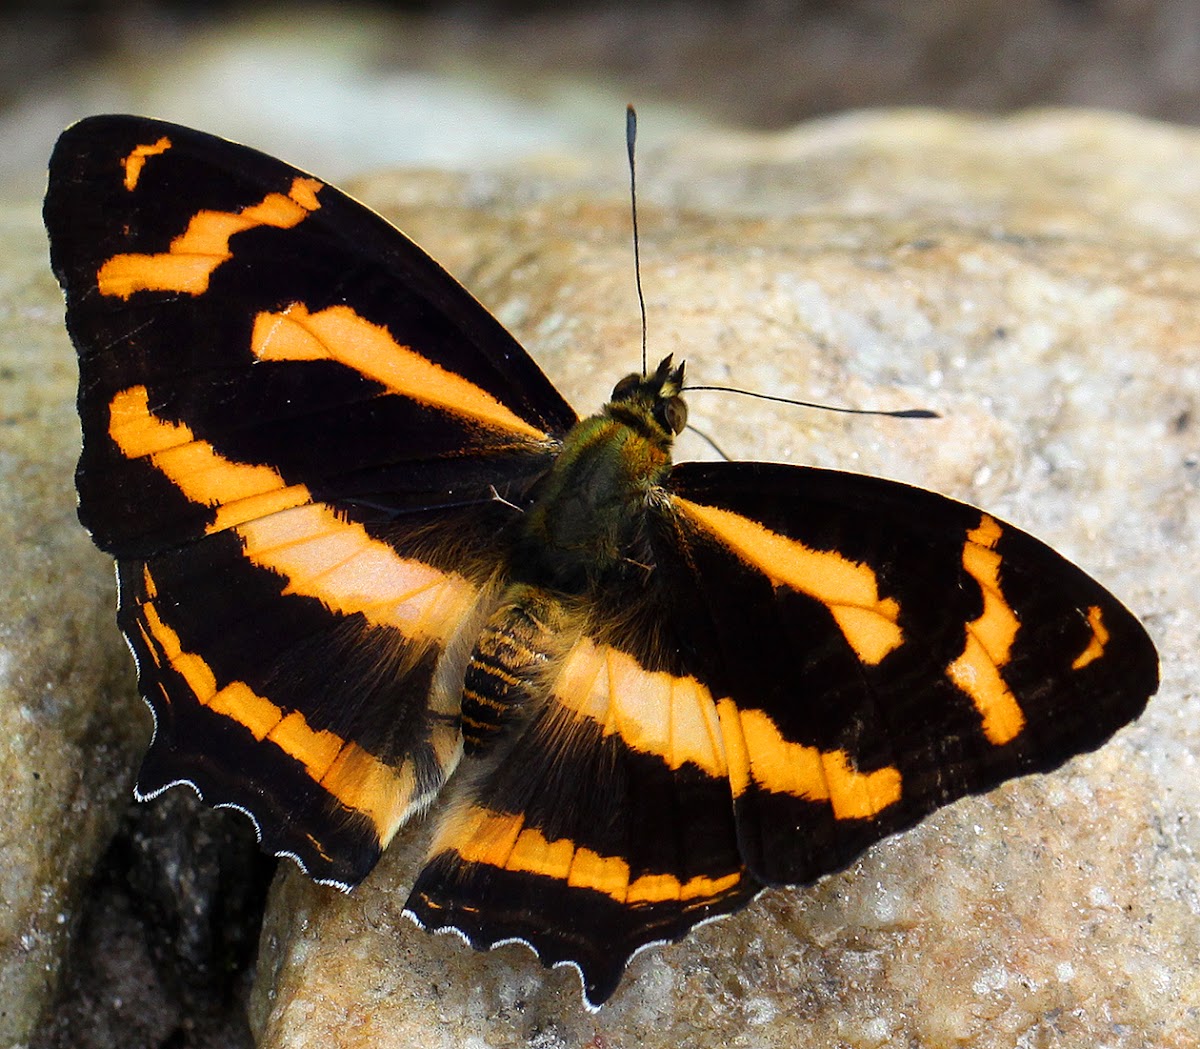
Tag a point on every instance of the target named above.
point(674, 414)
point(626, 387)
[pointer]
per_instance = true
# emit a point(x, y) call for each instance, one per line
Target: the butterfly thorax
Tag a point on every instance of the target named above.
point(586, 522)
point(584, 534)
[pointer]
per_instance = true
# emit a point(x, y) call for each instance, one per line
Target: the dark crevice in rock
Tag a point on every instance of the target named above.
point(167, 938)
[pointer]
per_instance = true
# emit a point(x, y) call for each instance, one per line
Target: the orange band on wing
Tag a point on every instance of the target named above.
point(676, 720)
point(989, 640)
point(1095, 647)
point(673, 718)
point(760, 754)
point(359, 780)
point(239, 491)
point(479, 835)
point(136, 160)
point(338, 333)
point(319, 553)
point(849, 589)
point(193, 256)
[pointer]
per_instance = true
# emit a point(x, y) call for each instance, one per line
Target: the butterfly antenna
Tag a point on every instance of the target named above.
point(904, 413)
point(712, 444)
point(630, 142)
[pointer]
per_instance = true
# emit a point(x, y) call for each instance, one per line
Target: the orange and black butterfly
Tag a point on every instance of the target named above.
point(364, 544)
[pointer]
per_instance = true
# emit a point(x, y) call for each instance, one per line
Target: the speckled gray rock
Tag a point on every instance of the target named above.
point(1035, 280)
point(70, 719)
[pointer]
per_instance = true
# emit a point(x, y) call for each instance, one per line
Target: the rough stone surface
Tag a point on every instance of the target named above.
point(345, 87)
point(70, 719)
point(1035, 281)
point(163, 952)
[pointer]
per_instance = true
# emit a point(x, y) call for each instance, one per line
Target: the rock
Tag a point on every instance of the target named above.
point(1032, 279)
point(164, 948)
point(71, 724)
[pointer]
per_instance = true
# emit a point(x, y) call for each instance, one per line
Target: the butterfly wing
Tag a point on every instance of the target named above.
point(878, 651)
point(815, 660)
point(605, 826)
point(295, 429)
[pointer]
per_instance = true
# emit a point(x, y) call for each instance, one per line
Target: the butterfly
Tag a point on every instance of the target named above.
point(363, 544)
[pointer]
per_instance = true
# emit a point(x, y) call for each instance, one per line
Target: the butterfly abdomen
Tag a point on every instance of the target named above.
point(514, 645)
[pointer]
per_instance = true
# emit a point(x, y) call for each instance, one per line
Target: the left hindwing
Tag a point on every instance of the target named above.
point(876, 651)
point(296, 427)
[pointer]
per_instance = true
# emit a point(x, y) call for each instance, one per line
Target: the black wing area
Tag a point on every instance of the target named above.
point(878, 651)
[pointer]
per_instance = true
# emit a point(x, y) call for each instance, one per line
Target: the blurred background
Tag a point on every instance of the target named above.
point(342, 88)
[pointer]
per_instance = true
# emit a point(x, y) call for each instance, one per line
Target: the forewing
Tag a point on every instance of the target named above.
point(878, 651)
point(278, 319)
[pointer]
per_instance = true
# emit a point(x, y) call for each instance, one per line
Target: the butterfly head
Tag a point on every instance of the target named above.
point(657, 395)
